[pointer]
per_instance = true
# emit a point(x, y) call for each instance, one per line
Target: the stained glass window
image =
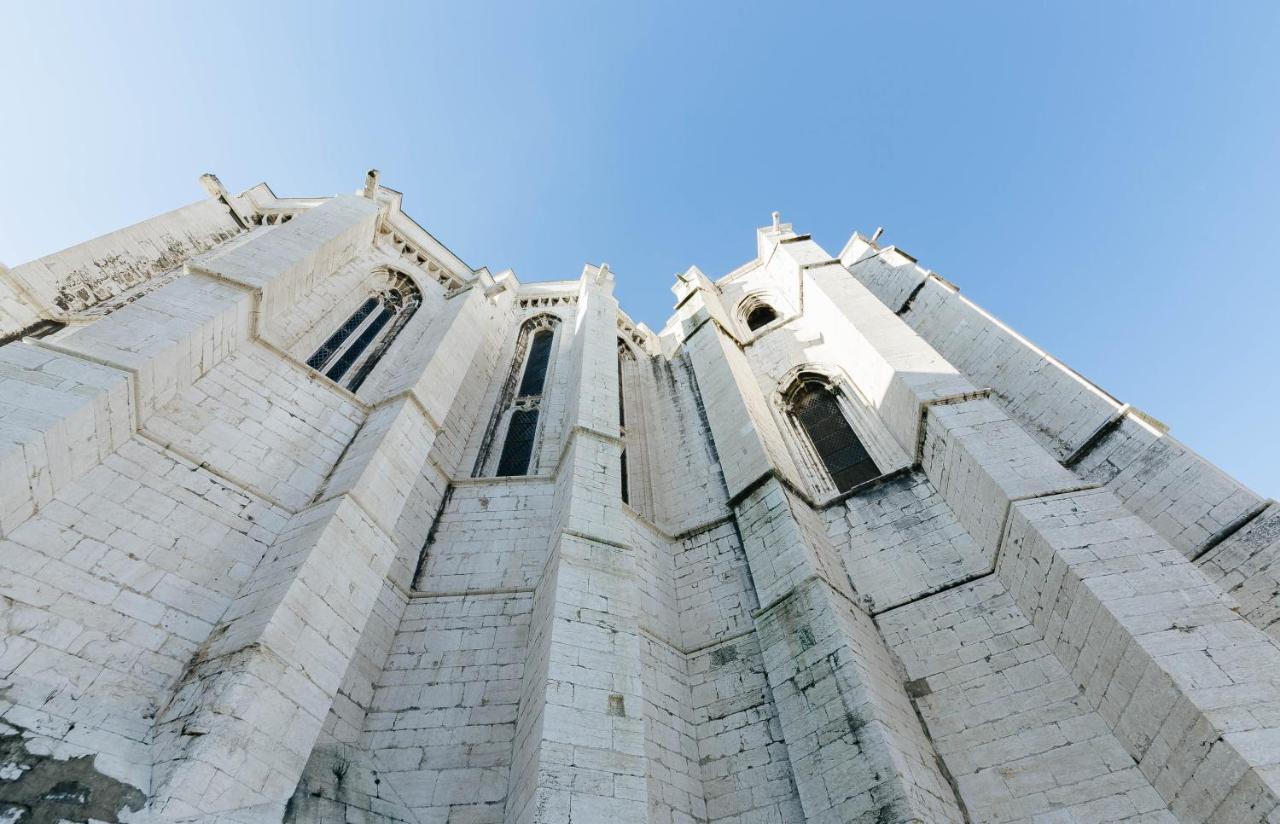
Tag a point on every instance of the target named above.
point(820, 416)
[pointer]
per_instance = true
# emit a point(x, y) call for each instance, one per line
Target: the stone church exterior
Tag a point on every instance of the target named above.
point(304, 519)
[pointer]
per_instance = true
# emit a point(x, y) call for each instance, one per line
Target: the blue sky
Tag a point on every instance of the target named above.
point(1103, 177)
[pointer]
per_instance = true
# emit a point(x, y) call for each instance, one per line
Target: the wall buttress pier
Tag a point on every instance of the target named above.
point(303, 519)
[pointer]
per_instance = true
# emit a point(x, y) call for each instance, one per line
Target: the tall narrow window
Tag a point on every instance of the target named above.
point(817, 412)
point(520, 404)
point(623, 352)
point(354, 349)
point(535, 369)
point(518, 447)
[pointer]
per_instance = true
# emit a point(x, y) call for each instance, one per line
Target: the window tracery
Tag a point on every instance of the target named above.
point(350, 354)
point(517, 415)
point(834, 453)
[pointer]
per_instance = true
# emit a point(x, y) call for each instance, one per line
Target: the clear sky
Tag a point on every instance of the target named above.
point(1105, 177)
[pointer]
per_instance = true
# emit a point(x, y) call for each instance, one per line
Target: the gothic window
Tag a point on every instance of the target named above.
point(816, 411)
point(535, 370)
point(623, 353)
point(520, 404)
point(350, 353)
point(635, 479)
point(518, 447)
point(761, 316)
point(757, 310)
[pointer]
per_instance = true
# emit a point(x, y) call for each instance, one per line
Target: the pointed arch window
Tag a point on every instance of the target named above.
point(815, 409)
point(519, 409)
point(624, 353)
point(350, 354)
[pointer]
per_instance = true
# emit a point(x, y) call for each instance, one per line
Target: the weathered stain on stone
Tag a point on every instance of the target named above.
point(115, 274)
point(40, 789)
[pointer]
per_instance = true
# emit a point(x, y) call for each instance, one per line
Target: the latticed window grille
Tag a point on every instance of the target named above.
point(335, 341)
point(818, 413)
point(535, 370)
point(520, 404)
point(355, 348)
point(518, 447)
point(623, 353)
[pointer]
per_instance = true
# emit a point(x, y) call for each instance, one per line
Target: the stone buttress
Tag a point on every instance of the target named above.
point(304, 519)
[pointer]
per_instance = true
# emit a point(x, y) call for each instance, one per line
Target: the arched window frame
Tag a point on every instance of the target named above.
point(350, 354)
point(875, 438)
point(511, 401)
point(761, 300)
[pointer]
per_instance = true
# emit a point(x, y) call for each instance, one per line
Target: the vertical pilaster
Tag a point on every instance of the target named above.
point(579, 750)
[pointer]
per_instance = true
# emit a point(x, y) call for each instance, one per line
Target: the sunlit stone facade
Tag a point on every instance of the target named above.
point(304, 519)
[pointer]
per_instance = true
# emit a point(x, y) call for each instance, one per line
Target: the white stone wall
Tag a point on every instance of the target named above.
point(746, 769)
point(79, 279)
point(442, 722)
point(684, 471)
point(901, 541)
point(246, 594)
point(491, 536)
point(110, 591)
point(1184, 497)
point(264, 423)
point(1008, 721)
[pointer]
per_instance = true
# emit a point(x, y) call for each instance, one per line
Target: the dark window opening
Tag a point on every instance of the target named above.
point(622, 407)
point(356, 349)
point(535, 369)
point(626, 493)
point(518, 448)
point(335, 340)
point(760, 316)
point(519, 404)
point(820, 416)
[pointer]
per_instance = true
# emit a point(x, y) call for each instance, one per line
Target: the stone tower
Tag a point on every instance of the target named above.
point(304, 519)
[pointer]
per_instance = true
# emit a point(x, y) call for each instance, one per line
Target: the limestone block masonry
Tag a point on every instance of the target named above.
point(303, 519)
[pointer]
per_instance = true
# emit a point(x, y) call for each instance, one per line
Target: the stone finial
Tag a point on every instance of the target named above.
point(212, 185)
point(777, 221)
point(371, 183)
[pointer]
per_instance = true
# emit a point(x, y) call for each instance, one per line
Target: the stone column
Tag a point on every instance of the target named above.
point(579, 748)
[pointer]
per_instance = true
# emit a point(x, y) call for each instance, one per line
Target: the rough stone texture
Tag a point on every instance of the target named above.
point(232, 590)
point(1008, 721)
point(1247, 566)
